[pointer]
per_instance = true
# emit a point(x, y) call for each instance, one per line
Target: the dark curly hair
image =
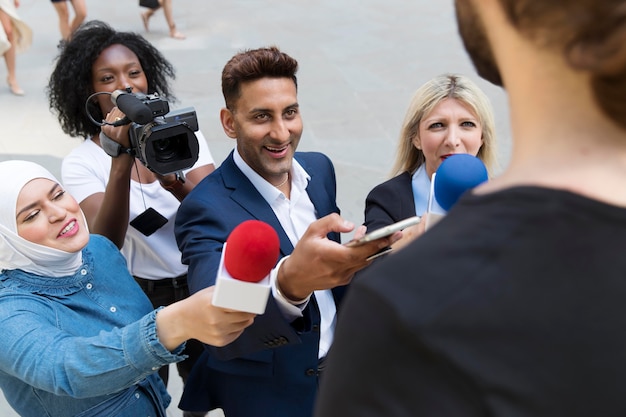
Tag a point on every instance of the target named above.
point(71, 81)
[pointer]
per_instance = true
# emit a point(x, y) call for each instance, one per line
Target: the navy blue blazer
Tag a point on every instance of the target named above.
point(272, 368)
point(389, 202)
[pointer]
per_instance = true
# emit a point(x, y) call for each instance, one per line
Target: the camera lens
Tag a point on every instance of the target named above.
point(167, 149)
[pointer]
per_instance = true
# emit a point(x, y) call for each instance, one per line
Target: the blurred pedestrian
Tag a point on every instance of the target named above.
point(169, 17)
point(80, 13)
point(15, 37)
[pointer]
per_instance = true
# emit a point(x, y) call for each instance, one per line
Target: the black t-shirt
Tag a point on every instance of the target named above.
point(512, 305)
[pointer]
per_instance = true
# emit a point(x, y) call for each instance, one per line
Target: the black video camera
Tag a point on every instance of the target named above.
point(163, 141)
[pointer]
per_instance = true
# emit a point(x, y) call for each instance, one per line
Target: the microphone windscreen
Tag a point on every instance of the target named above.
point(457, 174)
point(135, 109)
point(252, 249)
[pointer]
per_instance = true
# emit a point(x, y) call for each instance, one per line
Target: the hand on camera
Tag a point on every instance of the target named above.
point(117, 133)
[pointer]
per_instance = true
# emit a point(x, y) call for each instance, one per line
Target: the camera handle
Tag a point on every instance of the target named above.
point(112, 148)
point(176, 185)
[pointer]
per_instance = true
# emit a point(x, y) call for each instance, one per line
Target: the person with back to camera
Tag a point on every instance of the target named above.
point(514, 304)
point(449, 114)
point(79, 337)
point(116, 191)
point(274, 370)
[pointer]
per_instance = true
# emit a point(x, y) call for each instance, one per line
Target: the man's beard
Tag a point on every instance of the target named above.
point(475, 40)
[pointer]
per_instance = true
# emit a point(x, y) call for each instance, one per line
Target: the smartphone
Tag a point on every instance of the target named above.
point(385, 231)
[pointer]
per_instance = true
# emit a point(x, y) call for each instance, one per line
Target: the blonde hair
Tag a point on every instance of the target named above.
point(458, 87)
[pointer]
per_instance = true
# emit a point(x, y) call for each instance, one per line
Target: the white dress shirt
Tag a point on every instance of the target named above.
point(295, 216)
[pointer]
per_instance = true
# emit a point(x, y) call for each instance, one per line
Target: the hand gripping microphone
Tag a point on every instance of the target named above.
point(249, 254)
point(134, 109)
point(456, 174)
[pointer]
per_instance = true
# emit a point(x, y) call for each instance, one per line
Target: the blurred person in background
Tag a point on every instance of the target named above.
point(15, 36)
point(80, 13)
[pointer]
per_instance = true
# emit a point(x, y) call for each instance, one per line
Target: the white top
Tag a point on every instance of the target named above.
point(295, 216)
point(86, 170)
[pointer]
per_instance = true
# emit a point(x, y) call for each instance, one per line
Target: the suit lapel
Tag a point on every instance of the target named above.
point(244, 194)
point(316, 190)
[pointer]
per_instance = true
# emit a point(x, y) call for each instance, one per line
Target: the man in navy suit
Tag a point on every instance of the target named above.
point(273, 368)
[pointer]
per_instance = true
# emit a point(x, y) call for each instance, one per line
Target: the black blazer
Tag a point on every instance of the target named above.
point(389, 202)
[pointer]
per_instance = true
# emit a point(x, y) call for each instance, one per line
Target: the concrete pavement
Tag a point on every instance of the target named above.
point(360, 62)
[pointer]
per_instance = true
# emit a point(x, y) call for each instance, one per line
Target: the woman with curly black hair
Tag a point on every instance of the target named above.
point(72, 80)
point(122, 199)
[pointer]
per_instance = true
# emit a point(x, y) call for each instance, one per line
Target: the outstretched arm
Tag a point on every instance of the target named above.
point(197, 318)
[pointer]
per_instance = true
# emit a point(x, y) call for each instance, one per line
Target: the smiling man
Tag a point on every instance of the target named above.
point(273, 369)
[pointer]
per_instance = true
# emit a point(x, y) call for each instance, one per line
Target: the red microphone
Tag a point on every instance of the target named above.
point(248, 256)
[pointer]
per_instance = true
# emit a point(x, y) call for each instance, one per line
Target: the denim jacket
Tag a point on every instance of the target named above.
point(81, 345)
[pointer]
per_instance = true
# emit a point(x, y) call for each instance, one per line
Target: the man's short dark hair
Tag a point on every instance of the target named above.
point(253, 64)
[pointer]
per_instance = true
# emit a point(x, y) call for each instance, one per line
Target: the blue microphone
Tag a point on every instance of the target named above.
point(456, 174)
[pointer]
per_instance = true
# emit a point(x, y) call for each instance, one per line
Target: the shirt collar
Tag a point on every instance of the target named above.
point(299, 178)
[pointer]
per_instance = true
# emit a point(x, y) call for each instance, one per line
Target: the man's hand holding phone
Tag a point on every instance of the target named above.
point(384, 232)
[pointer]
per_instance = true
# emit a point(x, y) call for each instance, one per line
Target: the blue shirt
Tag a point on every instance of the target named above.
point(81, 345)
point(420, 183)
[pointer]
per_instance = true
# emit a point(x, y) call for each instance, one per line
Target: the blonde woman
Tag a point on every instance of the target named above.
point(447, 115)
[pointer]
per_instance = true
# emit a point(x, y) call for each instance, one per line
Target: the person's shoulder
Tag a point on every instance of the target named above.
point(391, 185)
point(214, 181)
point(102, 253)
point(3, 276)
point(15, 291)
point(442, 269)
point(15, 298)
point(312, 158)
point(87, 146)
point(100, 243)
point(210, 189)
point(86, 154)
point(401, 179)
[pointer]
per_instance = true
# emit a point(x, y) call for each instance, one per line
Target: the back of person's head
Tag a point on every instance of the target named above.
point(591, 36)
point(71, 81)
point(254, 64)
point(425, 99)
